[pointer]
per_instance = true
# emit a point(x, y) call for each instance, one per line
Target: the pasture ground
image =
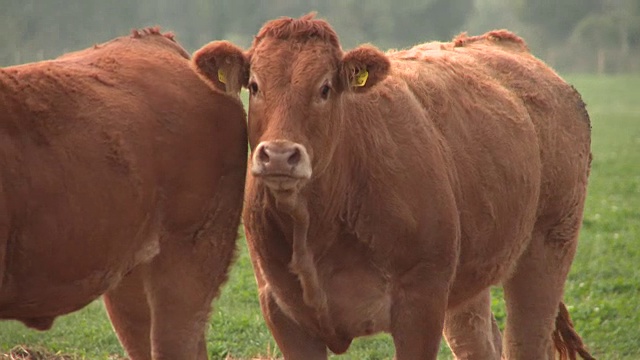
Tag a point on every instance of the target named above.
point(602, 292)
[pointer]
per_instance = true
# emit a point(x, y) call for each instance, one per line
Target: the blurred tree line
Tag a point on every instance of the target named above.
point(572, 35)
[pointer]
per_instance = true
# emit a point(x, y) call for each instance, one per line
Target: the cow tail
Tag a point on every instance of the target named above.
point(565, 338)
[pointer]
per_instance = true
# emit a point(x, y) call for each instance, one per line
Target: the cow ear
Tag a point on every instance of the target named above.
point(224, 64)
point(363, 67)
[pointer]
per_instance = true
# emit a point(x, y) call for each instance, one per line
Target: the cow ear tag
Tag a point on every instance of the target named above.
point(221, 76)
point(361, 78)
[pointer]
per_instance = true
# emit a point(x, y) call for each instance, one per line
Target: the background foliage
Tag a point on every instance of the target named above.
point(571, 35)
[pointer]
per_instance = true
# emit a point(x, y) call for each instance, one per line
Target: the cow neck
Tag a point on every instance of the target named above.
point(339, 187)
point(357, 187)
point(331, 189)
point(302, 260)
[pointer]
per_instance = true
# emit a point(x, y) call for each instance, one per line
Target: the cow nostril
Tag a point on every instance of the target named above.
point(294, 158)
point(263, 156)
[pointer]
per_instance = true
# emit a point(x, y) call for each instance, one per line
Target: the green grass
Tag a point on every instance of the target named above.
point(602, 292)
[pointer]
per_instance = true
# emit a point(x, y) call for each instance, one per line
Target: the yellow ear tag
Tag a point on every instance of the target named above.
point(221, 76)
point(361, 78)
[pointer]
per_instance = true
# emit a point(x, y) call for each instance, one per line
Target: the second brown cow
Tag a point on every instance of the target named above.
point(122, 173)
point(389, 192)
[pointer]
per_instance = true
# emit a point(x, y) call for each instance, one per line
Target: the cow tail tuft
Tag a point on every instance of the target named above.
point(565, 338)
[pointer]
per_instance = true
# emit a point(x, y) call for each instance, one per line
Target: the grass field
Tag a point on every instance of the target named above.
point(603, 289)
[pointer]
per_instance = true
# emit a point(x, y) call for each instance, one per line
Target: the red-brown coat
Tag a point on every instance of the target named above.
point(121, 173)
point(389, 192)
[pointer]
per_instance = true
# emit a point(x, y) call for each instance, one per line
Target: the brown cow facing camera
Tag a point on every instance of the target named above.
point(122, 173)
point(387, 192)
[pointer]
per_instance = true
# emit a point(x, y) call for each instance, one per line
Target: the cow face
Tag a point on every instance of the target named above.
point(298, 78)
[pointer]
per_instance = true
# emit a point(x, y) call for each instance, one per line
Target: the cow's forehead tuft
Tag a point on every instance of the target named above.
point(304, 29)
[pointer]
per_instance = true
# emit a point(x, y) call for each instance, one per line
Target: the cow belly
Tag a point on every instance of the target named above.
point(55, 284)
point(359, 300)
point(55, 299)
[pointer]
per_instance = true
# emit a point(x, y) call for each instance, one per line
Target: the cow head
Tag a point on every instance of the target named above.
point(298, 79)
point(224, 65)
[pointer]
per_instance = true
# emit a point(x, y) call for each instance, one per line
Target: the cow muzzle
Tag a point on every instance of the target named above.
point(281, 164)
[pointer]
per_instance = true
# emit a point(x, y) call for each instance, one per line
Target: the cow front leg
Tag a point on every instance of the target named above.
point(294, 341)
point(418, 312)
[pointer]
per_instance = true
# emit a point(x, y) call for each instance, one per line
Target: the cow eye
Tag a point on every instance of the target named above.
point(324, 91)
point(253, 88)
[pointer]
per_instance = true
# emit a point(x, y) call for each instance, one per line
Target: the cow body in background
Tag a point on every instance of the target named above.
point(121, 173)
